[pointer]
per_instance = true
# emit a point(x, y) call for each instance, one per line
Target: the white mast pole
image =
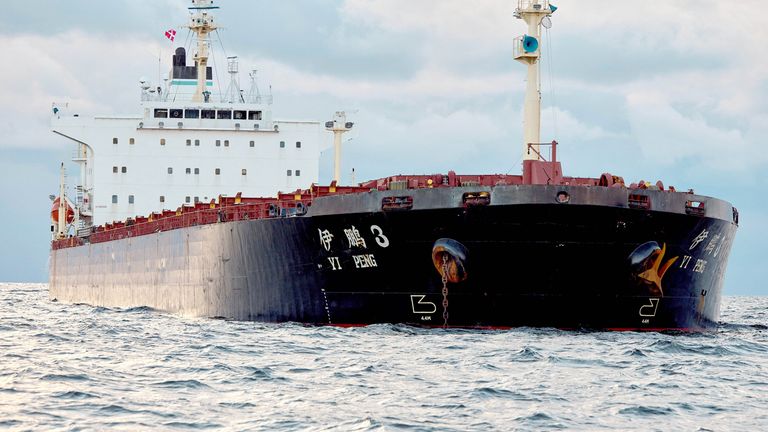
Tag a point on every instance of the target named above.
point(62, 223)
point(528, 51)
point(339, 126)
point(532, 107)
point(202, 24)
point(337, 135)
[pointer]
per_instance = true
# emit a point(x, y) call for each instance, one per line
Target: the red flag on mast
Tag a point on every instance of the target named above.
point(171, 34)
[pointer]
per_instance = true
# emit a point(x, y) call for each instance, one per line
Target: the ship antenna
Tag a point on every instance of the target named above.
point(233, 92)
point(202, 24)
point(527, 50)
point(254, 94)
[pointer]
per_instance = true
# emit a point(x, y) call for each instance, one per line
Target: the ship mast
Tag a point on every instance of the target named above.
point(61, 223)
point(339, 126)
point(527, 50)
point(201, 22)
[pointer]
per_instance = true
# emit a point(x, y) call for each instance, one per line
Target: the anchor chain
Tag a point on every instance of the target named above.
point(445, 291)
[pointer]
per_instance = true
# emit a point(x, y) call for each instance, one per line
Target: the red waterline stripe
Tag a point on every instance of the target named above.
point(651, 329)
point(426, 326)
point(501, 328)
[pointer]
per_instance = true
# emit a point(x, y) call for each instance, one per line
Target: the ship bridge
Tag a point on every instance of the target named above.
point(187, 142)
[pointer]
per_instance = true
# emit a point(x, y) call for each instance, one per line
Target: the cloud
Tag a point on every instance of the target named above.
point(464, 140)
point(668, 137)
point(563, 124)
point(655, 89)
point(84, 70)
point(428, 83)
point(444, 20)
point(711, 27)
point(108, 19)
point(710, 120)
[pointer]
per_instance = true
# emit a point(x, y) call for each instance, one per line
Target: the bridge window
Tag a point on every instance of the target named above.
point(176, 113)
point(239, 115)
point(208, 114)
point(191, 113)
point(186, 200)
point(114, 199)
point(254, 115)
point(161, 113)
point(224, 115)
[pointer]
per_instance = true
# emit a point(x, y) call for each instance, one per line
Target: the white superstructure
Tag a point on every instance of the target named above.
point(187, 144)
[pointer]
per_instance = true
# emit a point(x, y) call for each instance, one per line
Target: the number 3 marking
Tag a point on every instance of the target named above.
point(381, 239)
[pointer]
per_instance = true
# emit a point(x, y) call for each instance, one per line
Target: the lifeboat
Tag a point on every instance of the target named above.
point(55, 211)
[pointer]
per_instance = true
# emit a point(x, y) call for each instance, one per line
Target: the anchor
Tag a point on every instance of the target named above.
point(450, 259)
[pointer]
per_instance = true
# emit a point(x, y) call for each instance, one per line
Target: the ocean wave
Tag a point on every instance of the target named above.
point(68, 367)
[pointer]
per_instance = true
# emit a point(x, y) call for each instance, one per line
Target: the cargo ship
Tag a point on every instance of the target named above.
point(217, 239)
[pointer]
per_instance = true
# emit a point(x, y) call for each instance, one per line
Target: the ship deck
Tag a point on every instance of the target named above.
point(297, 203)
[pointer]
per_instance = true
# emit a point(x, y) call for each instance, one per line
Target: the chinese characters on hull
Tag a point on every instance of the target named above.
point(356, 242)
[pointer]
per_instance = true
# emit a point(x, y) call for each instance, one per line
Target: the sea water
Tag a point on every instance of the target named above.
point(75, 367)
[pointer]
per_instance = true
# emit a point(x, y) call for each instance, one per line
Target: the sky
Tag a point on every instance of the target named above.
point(676, 91)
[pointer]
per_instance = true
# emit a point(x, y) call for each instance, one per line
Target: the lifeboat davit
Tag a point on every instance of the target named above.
point(55, 211)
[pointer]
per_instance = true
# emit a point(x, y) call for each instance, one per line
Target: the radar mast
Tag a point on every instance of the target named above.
point(202, 24)
point(527, 50)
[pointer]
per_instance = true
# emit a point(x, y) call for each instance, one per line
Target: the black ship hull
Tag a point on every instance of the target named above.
point(523, 259)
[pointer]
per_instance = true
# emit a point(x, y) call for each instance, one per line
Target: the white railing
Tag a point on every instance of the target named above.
point(215, 98)
point(533, 4)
